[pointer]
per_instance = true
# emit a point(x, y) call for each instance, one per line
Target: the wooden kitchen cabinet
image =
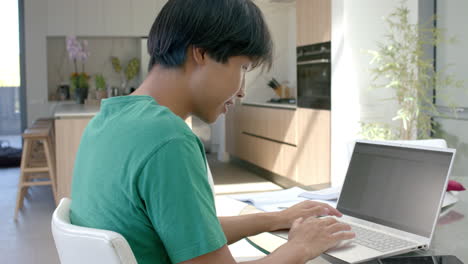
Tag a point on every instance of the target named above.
point(313, 19)
point(67, 140)
point(272, 123)
point(293, 143)
point(314, 135)
point(270, 155)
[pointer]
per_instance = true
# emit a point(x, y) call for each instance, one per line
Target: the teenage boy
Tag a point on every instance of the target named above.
point(140, 171)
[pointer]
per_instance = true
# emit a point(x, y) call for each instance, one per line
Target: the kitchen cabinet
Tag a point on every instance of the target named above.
point(270, 155)
point(67, 140)
point(272, 123)
point(314, 136)
point(144, 13)
point(313, 19)
point(118, 17)
point(293, 143)
point(61, 17)
point(90, 17)
point(126, 18)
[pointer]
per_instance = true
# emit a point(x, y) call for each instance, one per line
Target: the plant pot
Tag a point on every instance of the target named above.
point(64, 92)
point(101, 94)
point(81, 93)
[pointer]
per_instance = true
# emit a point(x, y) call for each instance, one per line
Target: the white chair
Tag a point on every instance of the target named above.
point(76, 244)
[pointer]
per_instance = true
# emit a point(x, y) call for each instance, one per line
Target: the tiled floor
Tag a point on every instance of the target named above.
point(29, 240)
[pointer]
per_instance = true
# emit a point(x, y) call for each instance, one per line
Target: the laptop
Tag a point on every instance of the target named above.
point(391, 196)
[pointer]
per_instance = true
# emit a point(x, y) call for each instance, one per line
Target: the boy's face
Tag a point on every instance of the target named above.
point(217, 86)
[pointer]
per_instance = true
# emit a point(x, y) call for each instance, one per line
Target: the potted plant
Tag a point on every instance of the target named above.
point(400, 64)
point(101, 86)
point(77, 51)
point(130, 72)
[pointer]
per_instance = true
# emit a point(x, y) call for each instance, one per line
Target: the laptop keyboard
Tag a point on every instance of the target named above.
point(376, 240)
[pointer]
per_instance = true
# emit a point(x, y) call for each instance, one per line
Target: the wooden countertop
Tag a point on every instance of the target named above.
point(271, 105)
point(73, 110)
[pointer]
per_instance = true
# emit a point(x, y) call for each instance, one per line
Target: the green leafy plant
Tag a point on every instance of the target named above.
point(130, 72)
point(116, 64)
point(79, 80)
point(401, 64)
point(132, 69)
point(100, 82)
point(378, 131)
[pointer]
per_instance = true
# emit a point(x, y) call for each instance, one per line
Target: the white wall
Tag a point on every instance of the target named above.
point(357, 26)
point(453, 19)
point(281, 20)
point(35, 16)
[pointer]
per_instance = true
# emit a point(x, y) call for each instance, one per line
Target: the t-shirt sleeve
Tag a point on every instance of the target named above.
point(179, 201)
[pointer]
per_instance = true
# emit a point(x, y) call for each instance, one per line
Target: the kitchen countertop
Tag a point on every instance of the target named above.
point(73, 110)
point(271, 105)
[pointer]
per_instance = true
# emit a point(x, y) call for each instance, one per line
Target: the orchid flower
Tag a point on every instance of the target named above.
point(77, 50)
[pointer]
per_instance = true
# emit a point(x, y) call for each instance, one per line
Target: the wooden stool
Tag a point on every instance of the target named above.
point(37, 161)
point(38, 155)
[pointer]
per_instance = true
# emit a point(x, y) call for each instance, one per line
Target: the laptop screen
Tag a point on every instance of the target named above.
point(395, 186)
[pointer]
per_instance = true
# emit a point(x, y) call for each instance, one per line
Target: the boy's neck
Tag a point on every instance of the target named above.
point(170, 88)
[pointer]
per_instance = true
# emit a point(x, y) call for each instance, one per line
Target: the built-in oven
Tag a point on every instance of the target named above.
point(314, 76)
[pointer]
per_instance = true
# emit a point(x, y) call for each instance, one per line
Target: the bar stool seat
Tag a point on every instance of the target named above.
point(36, 132)
point(37, 161)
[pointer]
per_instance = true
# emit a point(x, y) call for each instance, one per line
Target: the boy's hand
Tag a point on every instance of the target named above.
point(304, 210)
point(318, 235)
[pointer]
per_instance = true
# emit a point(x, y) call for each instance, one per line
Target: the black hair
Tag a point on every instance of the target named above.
point(222, 28)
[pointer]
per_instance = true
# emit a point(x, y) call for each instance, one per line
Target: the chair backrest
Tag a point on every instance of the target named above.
point(76, 244)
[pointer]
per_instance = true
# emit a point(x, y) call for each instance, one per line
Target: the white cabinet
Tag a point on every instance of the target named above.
point(119, 18)
point(61, 17)
point(90, 18)
point(144, 14)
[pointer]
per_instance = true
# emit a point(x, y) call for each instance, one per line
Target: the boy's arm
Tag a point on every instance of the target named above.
point(237, 227)
point(288, 253)
point(307, 239)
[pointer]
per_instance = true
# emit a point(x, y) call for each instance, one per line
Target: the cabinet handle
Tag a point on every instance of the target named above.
point(313, 62)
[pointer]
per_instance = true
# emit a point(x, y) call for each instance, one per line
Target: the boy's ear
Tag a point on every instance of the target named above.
point(199, 55)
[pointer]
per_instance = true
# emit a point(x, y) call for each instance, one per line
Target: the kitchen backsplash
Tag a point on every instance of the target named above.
point(101, 49)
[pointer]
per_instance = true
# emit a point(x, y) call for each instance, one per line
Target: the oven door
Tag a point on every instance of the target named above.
point(313, 84)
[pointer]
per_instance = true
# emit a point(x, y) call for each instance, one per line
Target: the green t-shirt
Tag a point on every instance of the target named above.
point(140, 171)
